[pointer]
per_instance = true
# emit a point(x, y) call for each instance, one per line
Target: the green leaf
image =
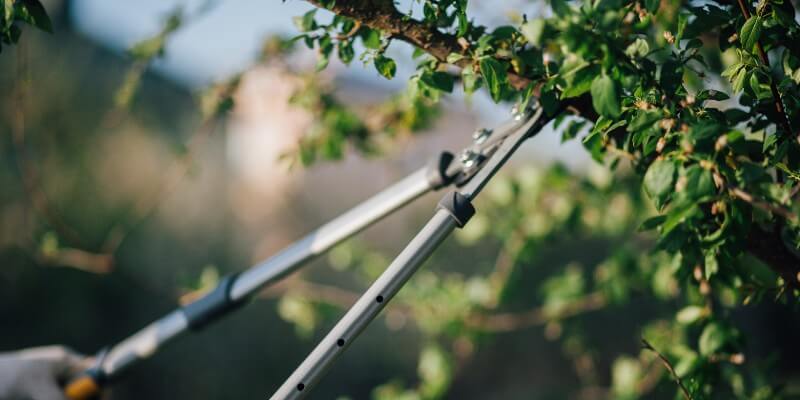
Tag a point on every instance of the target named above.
point(371, 39)
point(626, 372)
point(453, 58)
point(671, 76)
point(579, 81)
point(532, 30)
point(659, 181)
point(751, 32)
point(691, 314)
point(463, 24)
point(438, 80)
point(711, 94)
point(594, 143)
point(469, 79)
point(8, 12)
point(385, 66)
point(644, 120)
point(683, 20)
point(712, 339)
point(605, 97)
point(496, 77)
point(33, 12)
point(678, 216)
point(435, 371)
point(739, 80)
point(652, 5)
point(560, 7)
point(652, 223)
point(484, 44)
point(306, 22)
point(711, 264)
point(346, 52)
point(148, 48)
point(325, 47)
point(699, 183)
point(322, 61)
point(687, 363)
point(638, 49)
point(549, 101)
point(705, 129)
point(575, 80)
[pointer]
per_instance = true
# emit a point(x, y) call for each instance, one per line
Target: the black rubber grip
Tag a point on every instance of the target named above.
point(437, 171)
point(212, 305)
point(458, 206)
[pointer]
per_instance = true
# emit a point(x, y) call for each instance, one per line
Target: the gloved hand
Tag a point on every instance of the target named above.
point(38, 373)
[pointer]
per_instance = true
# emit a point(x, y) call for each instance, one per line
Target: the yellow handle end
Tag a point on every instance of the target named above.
point(83, 388)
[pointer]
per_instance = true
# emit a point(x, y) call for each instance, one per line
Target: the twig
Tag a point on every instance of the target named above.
point(669, 367)
point(147, 205)
point(316, 291)
point(98, 263)
point(351, 33)
point(491, 323)
point(650, 378)
point(764, 205)
point(383, 16)
point(504, 264)
point(507, 322)
point(29, 177)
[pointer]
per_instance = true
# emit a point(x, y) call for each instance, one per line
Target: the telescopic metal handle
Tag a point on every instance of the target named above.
point(234, 291)
point(455, 209)
point(367, 307)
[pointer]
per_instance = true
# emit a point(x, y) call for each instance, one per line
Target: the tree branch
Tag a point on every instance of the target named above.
point(669, 367)
point(506, 322)
point(29, 175)
point(382, 15)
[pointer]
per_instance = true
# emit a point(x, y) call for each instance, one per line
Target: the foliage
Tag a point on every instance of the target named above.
point(15, 12)
point(682, 92)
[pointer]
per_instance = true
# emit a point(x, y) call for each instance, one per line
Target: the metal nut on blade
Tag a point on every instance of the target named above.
point(517, 112)
point(468, 158)
point(481, 135)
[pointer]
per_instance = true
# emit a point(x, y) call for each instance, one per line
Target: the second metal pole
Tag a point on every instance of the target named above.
point(368, 306)
point(454, 210)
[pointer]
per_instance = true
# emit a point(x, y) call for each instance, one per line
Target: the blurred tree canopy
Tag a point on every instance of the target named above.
point(691, 111)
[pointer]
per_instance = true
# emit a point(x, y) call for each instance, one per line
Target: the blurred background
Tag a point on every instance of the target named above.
point(121, 196)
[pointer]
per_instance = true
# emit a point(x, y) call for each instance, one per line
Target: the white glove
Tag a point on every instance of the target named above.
point(38, 373)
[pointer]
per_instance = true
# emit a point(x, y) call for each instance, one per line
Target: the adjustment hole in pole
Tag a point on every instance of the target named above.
point(300, 387)
point(340, 342)
point(379, 299)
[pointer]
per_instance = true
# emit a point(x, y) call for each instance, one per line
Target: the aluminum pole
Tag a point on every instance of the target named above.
point(236, 289)
point(370, 304)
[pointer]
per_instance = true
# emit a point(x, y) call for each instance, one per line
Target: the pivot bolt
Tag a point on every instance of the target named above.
point(468, 158)
point(481, 135)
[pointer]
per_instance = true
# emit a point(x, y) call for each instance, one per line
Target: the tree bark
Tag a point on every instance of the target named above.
point(383, 16)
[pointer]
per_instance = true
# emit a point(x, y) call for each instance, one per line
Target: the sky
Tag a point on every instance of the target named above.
point(223, 37)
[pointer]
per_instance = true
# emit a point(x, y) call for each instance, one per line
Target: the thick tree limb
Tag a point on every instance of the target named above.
point(382, 15)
